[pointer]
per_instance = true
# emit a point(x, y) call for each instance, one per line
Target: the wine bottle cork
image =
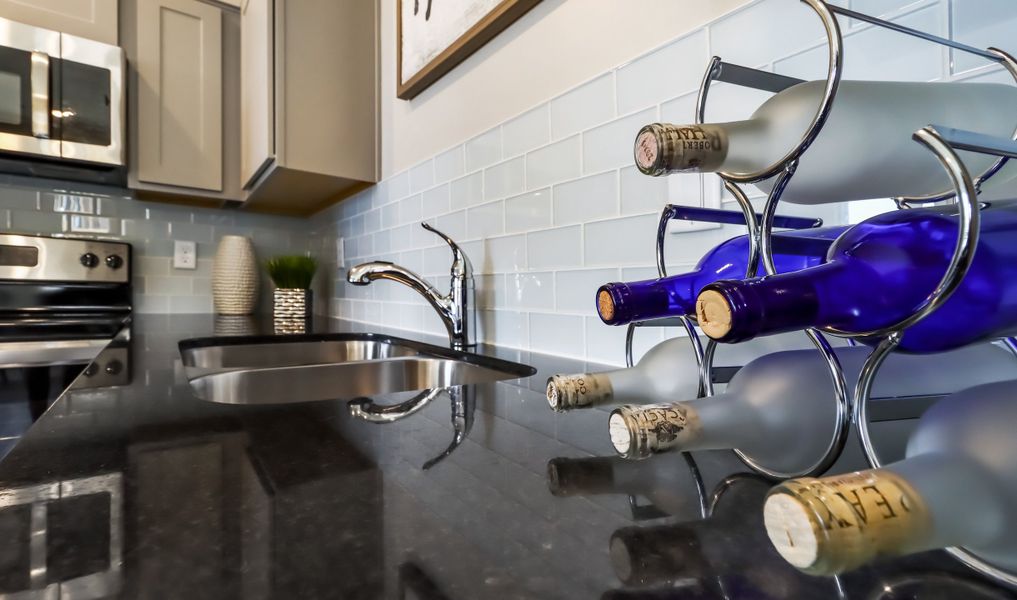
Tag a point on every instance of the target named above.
point(605, 306)
point(639, 431)
point(662, 148)
point(566, 392)
point(834, 524)
point(714, 314)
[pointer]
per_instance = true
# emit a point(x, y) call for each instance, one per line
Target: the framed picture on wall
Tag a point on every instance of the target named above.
point(433, 36)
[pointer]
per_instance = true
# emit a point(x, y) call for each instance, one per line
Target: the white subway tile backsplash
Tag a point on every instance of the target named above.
point(675, 69)
point(505, 254)
point(551, 164)
point(559, 248)
point(409, 210)
point(557, 334)
point(422, 176)
point(583, 107)
point(527, 131)
point(528, 211)
point(435, 201)
point(504, 179)
point(485, 220)
point(581, 200)
point(450, 164)
point(467, 191)
point(483, 150)
point(983, 24)
point(610, 146)
point(576, 290)
point(880, 54)
point(452, 225)
point(604, 244)
point(529, 291)
point(507, 327)
point(749, 38)
point(548, 204)
point(641, 194)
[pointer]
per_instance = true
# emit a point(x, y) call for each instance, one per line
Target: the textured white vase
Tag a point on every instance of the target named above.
point(235, 276)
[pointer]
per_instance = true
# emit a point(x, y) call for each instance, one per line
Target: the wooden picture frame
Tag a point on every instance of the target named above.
point(493, 23)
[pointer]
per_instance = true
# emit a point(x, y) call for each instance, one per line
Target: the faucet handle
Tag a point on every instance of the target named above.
point(459, 258)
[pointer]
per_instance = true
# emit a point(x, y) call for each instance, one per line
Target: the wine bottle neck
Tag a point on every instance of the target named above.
point(623, 303)
point(834, 524)
point(718, 422)
point(735, 311)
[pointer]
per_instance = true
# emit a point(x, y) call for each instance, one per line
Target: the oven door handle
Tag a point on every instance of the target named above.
point(40, 94)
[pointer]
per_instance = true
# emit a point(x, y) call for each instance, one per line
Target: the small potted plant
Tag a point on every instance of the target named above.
point(292, 276)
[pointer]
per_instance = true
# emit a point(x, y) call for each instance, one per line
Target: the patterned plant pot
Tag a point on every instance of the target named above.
point(291, 303)
point(235, 276)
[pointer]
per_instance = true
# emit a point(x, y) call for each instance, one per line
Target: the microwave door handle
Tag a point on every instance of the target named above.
point(40, 94)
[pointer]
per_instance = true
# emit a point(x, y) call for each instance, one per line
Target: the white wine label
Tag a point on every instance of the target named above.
point(565, 392)
point(638, 431)
point(834, 524)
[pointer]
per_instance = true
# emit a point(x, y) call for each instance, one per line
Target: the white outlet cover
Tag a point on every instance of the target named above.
point(185, 255)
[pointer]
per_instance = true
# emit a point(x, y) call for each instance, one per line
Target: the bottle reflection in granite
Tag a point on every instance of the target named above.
point(673, 485)
point(788, 396)
point(730, 545)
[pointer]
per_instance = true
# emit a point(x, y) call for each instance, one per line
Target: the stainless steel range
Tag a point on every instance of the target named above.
point(61, 301)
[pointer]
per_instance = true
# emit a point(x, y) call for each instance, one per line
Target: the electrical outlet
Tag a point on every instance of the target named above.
point(185, 255)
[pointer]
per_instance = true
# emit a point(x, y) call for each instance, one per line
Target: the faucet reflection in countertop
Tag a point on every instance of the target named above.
point(457, 309)
point(463, 408)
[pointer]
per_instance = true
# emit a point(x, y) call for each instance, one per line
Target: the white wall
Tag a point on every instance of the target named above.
point(556, 46)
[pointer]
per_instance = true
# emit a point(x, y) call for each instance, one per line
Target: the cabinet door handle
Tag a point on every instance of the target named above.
point(40, 94)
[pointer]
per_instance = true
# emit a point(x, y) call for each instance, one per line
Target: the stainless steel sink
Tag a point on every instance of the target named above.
point(207, 359)
point(333, 366)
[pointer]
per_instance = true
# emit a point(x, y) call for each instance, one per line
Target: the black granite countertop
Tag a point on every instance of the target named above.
point(144, 491)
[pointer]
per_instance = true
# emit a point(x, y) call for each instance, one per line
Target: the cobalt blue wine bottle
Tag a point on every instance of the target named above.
point(621, 303)
point(877, 274)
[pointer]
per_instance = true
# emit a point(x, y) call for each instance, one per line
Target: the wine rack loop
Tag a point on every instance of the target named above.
point(942, 142)
point(738, 75)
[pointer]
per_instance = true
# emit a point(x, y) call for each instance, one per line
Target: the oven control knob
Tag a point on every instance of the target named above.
point(114, 261)
point(89, 260)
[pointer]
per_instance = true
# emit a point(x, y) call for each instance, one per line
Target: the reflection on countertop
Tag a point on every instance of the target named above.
point(143, 490)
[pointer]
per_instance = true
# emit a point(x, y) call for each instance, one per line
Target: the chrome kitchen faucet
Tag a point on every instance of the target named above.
point(457, 309)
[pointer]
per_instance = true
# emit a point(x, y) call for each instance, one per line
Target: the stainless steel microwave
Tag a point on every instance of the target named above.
point(61, 96)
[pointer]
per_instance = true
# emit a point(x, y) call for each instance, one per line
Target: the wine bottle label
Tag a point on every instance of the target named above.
point(661, 149)
point(565, 392)
point(834, 524)
point(639, 431)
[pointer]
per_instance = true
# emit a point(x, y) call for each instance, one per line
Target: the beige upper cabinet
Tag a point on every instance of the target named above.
point(309, 91)
point(257, 110)
point(93, 19)
point(179, 67)
point(184, 88)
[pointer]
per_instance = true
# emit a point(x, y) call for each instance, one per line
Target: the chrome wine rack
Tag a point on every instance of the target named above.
point(942, 142)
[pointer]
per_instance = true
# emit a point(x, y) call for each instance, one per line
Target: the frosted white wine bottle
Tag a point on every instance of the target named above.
point(667, 372)
point(788, 396)
point(956, 487)
point(864, 150)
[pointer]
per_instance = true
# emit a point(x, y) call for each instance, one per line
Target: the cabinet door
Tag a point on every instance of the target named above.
point(257, 88)
point(92, 19)
point(180, 83)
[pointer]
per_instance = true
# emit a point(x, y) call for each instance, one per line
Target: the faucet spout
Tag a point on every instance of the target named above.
point(456, 308)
